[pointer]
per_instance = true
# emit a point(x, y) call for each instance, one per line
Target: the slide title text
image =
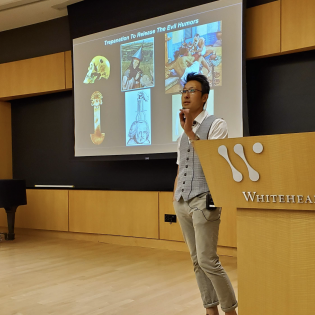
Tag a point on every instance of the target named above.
point(169, 27)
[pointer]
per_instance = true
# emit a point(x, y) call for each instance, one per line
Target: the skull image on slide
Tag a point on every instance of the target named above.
point(98, 68)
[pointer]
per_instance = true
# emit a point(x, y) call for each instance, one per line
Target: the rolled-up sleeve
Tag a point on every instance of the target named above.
point(218, 130)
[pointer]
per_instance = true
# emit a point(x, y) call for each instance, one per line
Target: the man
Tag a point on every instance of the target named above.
point(191, 67)
point(194, 66)
point(200, 226)
point(199, 45)
point(133, 74)
point(198, 51)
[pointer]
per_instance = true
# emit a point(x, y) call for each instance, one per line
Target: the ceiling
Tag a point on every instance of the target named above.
point(18, 13)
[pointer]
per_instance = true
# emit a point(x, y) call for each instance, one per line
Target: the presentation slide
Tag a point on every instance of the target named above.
point(127, 80)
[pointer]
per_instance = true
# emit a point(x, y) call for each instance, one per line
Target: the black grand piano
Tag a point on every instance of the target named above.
point(12, 195)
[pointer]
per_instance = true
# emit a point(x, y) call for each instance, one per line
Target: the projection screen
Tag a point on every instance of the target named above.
point(127, 80)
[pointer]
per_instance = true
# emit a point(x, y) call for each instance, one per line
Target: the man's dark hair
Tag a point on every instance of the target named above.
point(205, 86)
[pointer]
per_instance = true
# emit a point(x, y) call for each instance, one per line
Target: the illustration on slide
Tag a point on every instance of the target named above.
point(138, 102)
point(195, 49)
point(137, 64)
point(99, 68)
point(96, 101)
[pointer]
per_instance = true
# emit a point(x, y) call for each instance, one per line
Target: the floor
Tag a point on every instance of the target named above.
point(65, 277)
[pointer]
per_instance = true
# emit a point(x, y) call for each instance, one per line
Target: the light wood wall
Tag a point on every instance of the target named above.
point(35, 76)
point(125, 213)
point(263, 30)
point(228, 233)
point(297, 25)
point(5, 141)
point(45, 209)
point(111, 216)
point(280, 27)
point(3, 219)
point(68, 67)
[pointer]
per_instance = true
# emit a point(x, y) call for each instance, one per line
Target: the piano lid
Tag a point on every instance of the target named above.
point(12, 193)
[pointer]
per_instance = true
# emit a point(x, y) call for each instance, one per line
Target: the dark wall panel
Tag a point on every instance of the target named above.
point(41, 138)
point(35, 40)
point(93, 16)
point(254, 3)
point(281, 94)
point(43, 152)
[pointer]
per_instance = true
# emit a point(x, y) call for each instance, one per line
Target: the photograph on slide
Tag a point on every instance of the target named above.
point(138, 117)
point(137, 64)
point(195, 49)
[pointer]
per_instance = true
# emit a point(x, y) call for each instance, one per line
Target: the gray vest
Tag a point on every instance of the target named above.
point(191, 181)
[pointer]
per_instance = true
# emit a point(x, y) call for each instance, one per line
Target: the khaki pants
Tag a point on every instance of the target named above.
point(200, 228)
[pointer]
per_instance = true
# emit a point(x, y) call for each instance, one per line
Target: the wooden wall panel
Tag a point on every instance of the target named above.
point(228, 233)
point(111, 216)
point(263, 30)
point(3, 219)
point(125, 213)
point(5, 141)
point(68, 67)
point(45, 209)
point(297, 24)
point(32, 76)
point(168, 231)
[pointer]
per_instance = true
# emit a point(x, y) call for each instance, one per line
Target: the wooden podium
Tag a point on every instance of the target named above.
point(275, 217)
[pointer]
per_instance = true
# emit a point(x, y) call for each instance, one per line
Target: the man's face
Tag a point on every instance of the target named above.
point(196, 39)
point(141, 135)
point(193, 101)
point(135, 63)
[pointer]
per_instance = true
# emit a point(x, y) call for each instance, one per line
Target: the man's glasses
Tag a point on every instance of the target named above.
point(190, 91)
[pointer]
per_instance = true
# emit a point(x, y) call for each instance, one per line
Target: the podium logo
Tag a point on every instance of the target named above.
point(251, 196)
point(239, 150)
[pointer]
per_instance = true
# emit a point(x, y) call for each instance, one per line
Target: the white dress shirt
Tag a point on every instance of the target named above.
point(218, 130)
